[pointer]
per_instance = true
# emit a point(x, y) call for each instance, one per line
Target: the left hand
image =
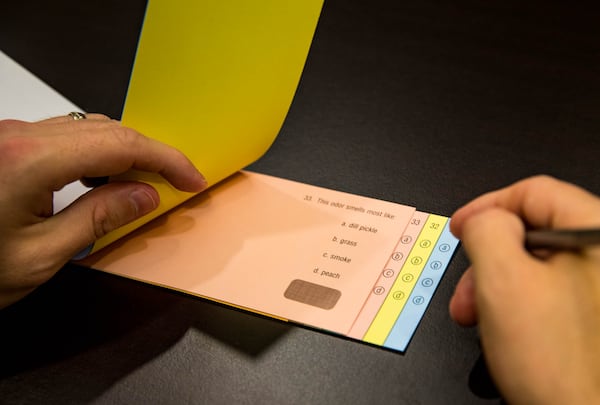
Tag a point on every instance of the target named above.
point(37, 159)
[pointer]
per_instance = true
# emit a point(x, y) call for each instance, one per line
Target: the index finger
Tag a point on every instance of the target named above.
point(104, 148)
point(540, 201)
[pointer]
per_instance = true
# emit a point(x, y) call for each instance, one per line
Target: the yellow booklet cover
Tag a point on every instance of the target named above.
point(215, 79)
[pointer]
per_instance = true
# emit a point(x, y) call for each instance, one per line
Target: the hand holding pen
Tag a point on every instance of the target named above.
point(538, 315)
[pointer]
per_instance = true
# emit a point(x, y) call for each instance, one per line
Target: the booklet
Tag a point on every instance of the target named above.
point(355, 266)
point(216, 79)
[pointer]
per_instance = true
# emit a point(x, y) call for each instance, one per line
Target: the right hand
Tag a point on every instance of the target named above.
point(539, 318)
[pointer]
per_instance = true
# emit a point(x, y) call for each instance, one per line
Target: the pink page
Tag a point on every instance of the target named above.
point(287, 249)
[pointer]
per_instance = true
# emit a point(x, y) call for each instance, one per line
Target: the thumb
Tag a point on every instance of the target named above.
point(99, 212)
point(462, 306)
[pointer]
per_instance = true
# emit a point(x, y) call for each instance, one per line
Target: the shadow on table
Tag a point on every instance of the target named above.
point(481, 383)
point(86, 330)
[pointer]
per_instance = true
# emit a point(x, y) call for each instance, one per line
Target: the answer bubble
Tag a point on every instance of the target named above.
point(418, 300)
point(436, 265)
point(416, 260)
point(378, 290)
point(427, 282)
point(398, 295)
point(397, 256)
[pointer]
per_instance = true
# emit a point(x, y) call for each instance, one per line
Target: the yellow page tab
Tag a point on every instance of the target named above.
point(215, 79)
point(292, 250)
point(404, 284)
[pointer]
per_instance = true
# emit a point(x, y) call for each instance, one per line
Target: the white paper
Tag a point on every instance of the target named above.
point(25, 97)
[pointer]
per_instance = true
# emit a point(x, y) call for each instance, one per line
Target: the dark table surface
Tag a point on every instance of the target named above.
point(423, 103)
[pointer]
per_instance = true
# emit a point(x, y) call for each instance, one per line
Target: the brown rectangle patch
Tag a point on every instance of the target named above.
point(312, 294)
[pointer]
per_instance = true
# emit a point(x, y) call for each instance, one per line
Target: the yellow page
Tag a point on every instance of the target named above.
point(270, 245)
point(215, 79)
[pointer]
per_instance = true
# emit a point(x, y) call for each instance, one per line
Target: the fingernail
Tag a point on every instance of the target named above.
point(201, 183)
point(143, 201)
